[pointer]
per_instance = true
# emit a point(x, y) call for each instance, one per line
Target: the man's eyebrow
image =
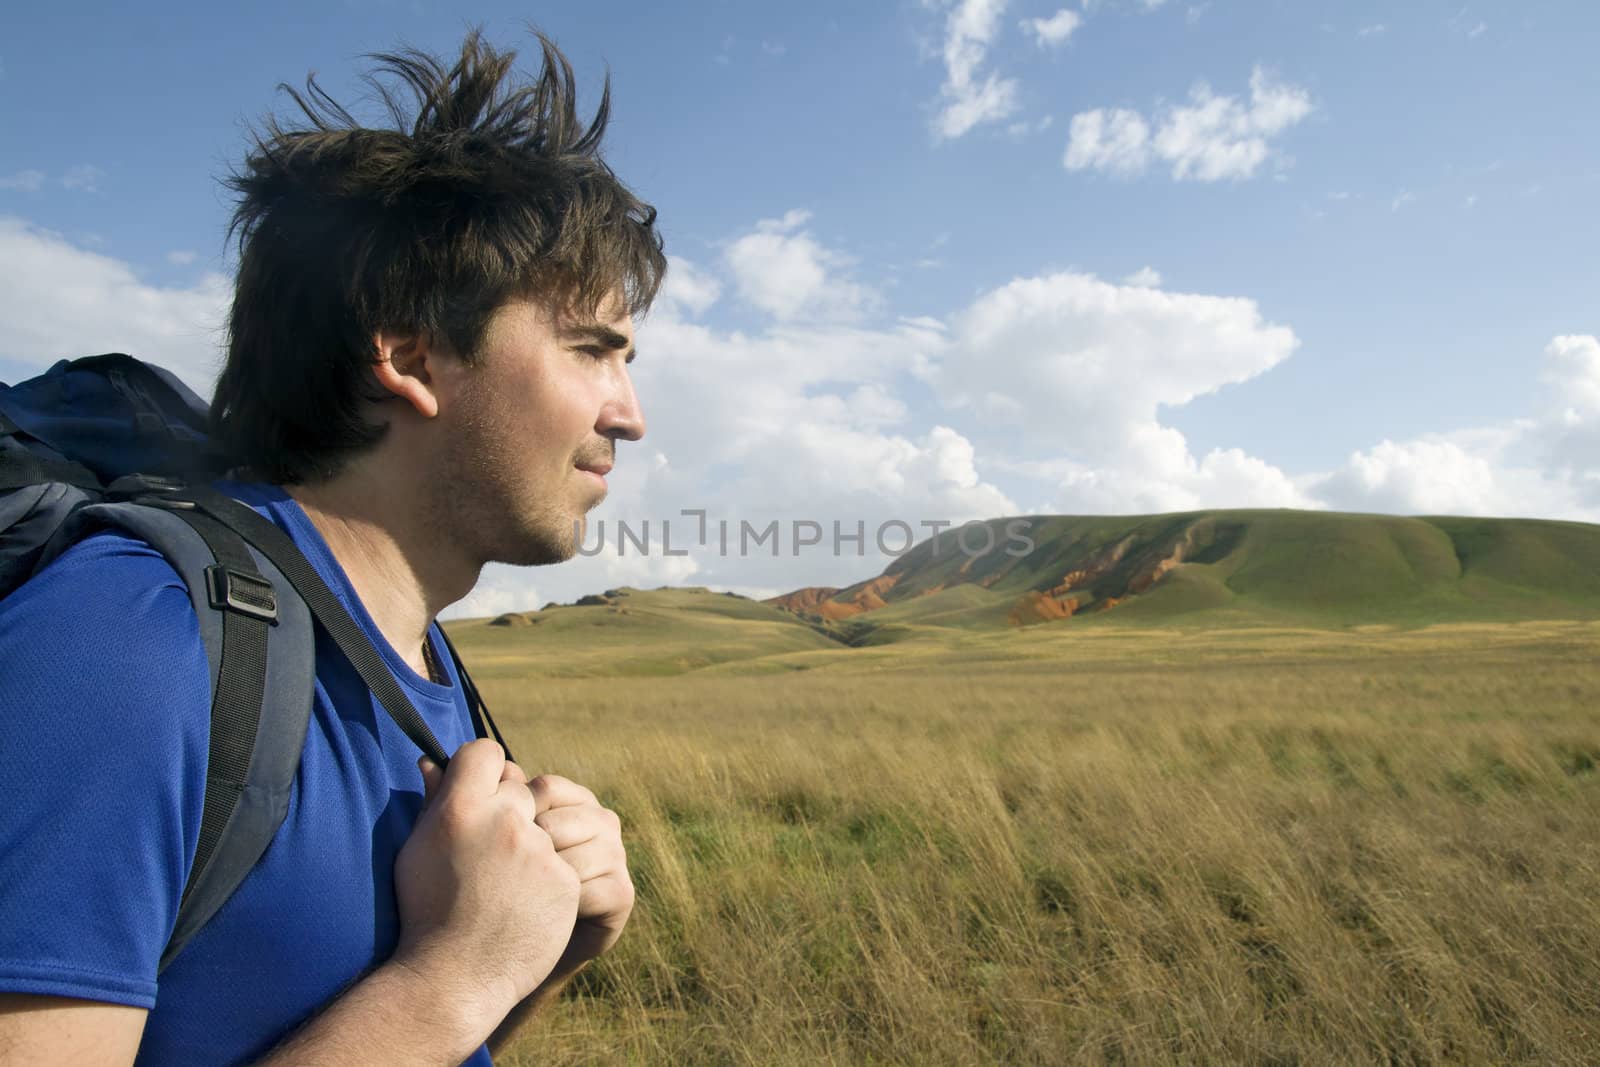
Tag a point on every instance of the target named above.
point(604, 336)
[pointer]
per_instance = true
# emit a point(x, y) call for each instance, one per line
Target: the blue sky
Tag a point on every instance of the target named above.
point(945, 260)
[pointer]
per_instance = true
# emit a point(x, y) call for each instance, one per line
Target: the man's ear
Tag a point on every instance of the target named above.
point(406, 366)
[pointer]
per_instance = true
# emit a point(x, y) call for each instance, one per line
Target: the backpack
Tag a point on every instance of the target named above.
point(112, 442)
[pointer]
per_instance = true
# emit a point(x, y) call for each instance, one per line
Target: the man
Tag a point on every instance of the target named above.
point(426, 371)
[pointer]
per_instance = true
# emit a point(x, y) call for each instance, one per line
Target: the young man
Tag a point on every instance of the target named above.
point(427, 371)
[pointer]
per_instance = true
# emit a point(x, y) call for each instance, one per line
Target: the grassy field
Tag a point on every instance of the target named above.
point(1064, 845)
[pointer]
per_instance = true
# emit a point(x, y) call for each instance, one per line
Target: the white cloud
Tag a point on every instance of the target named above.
point(1054, 30)
point(1144, 278)
point(60, 301)
point(1375, 29)
point(1572, 374)
point(1117, 141)
point(1087, 366)
point(1567, 437)
point(1402, 198)
point(1426, 476)
point(971, 99)
point(1019, 130)
point(1212, 138)
point(1218, 137)
point(687, 288)
point(496, 594)
point(784, 271)
point(791, 221)
point(181, 257)
point(26, 181)
point(1083, 356)
point(83, 177)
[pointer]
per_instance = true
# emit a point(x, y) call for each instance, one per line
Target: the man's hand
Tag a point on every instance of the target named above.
point(485, 904)
point(589, 837)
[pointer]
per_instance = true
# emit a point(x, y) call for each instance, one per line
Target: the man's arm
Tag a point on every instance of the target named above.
point(37, 1029)
point(393, 1016)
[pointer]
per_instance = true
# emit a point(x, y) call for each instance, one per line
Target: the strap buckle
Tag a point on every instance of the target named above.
point(247, 594)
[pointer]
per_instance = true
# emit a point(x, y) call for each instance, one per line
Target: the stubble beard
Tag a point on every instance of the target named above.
point(482, 501)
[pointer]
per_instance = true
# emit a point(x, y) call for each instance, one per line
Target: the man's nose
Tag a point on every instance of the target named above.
point(621, 417)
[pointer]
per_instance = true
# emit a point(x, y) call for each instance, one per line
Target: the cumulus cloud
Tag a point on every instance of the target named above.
point(971, 97)
point(1211, 138)
point(1144, 278)
point(783, 270)
point(1567, 438)
point(60, 301)
point(1572, 374)
point(1425, 476)
point(1083, 356)
point(687, 289)
point(1079, 368)
point(1116, 141)
point(1054, 30)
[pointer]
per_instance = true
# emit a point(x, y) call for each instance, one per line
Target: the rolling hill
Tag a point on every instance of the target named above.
point(1226, 568)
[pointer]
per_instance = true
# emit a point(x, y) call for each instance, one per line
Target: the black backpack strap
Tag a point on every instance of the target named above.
point(482, 724)
point(274, 545)
point(261, 653)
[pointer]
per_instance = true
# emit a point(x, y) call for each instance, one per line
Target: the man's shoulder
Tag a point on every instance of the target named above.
point(93, 578)
point(110, 605)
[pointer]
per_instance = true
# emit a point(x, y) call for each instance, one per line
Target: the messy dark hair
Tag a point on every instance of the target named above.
point(490, 191)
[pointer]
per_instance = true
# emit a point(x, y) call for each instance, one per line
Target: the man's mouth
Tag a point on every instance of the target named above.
point(597, 472)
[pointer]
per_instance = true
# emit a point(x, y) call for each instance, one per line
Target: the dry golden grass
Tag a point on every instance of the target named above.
point(1121, 848)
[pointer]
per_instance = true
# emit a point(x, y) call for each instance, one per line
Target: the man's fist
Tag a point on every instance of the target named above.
point(589, 838)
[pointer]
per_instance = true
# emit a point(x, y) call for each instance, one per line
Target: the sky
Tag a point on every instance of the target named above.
point(935, 261)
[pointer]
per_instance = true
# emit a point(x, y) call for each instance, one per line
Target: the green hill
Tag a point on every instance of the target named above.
point(1229, 568)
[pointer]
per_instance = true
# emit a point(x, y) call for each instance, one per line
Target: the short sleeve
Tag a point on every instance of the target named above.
point(104, 724)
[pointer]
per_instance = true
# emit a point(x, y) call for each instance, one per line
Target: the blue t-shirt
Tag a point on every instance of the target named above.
point(105, 703)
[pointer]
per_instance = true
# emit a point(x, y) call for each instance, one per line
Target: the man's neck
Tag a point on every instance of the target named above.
point(386, 545)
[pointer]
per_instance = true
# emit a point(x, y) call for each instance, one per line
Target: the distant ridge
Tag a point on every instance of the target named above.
point(1234, 567)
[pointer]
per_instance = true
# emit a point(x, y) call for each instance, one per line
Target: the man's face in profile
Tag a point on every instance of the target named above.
point(536, 425)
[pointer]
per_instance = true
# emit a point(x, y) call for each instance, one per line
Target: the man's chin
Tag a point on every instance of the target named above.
point(541, 546)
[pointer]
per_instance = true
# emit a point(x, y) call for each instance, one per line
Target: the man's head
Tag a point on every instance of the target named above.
point(485, 199)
